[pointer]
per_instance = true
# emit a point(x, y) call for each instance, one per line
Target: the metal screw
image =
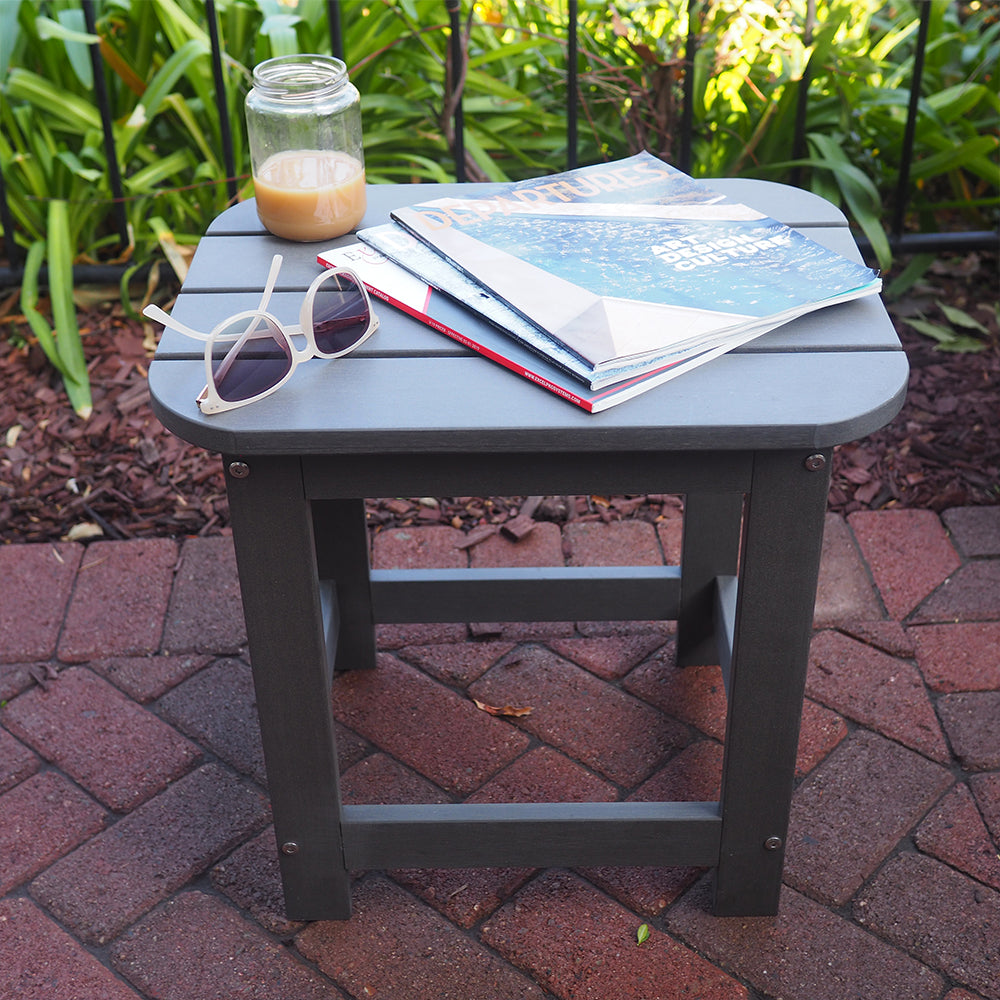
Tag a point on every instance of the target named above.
point(816, 463)
point(289, 847)
point(239, 470)
point(772, 844)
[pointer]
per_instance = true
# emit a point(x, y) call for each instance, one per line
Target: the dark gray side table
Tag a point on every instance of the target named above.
point(747, 439)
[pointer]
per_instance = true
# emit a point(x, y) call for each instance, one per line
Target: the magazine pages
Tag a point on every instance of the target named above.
point(624, 261)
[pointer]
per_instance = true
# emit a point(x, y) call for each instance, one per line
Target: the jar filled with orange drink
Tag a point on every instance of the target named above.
point(304, 125)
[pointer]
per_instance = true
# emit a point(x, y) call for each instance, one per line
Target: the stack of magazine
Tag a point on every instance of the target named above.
point(601, 282)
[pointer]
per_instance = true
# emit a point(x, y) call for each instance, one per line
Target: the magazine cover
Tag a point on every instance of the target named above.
point(669, 265)
point(395, 285)
point(399, 246)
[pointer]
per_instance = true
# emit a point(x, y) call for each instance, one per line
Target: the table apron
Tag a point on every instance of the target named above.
point(525, 474)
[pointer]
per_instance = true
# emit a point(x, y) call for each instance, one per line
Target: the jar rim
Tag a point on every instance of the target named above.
point(299, 76)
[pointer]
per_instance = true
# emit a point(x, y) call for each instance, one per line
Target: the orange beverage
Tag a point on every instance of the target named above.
point(310, 194)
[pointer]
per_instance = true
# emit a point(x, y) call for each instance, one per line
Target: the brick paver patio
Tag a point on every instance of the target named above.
point(137, 861)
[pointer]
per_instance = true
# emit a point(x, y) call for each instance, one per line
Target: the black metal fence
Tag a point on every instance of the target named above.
point(901, 241)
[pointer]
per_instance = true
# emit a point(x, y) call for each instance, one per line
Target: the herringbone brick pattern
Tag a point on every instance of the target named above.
point(137, 859)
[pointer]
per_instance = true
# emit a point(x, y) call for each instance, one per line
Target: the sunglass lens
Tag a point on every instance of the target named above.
point(340, 314)
point(249, 358)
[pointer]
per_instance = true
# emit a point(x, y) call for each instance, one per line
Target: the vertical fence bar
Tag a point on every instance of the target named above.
point(107, 125)
point(572, 86)
point(457, 82)
point(903, 181)
point(802, 104)
point(333, 17)
point(687, 111)
point(225, 128)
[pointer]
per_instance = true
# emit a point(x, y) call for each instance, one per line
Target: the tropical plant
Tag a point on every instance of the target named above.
point(166, 135)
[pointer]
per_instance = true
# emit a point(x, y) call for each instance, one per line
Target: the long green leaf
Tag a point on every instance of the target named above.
point(29, 303)
point(74, 370)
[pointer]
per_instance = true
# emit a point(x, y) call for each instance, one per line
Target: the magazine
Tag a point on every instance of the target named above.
point(624, 261)
point(393, 284)
point(405, 250)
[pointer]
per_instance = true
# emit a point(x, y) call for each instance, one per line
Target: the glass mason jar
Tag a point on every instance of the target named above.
point(304, 125)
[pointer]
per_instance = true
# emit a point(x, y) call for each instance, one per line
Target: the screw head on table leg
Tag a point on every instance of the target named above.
point(773, 844)
point(239, 470)
point(816, 463)
point(289, 847)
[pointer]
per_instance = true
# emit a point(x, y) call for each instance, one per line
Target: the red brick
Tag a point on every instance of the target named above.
point(578, 943)
point(41, 819)
point(380, 780)
point(545, 775)
point(695, 695)
point(40, 961)
point(421, 634)
point(960, 657)
point(620, 543)
point(877, 690)
point(444, 737)
point(251, 878)
point(206, 611)
point(17, 762)
point(821, 730)
point(986, 790)
point(218, 708)
point(692, 776)
point(976, 530)
point(466, 895)
point(592, 721)
point(955, 833)
point(844, 590)
point(542, 546)
point(37, 583)
point(145, 678)
point(609, 657)
point(670, 531)
point(120, 600)
point(890, 637)
point(397, 948)
point(419, 548)
point(972, 594)
point(197, 946)
point(944, 918)
point(804, 953)
point(889, 541)
point(852, 811)
point(647, 890)
point(110, 881)
point(18, 677)
point(457, 664)
point(121, 753)
point(972, 722)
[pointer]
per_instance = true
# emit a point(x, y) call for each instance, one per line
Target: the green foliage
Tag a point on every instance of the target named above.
point(752, 61)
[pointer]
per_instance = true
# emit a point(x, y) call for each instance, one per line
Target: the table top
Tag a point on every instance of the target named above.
point(830, 377)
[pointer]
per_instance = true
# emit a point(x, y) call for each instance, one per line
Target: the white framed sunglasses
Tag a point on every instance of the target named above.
point(250, 355)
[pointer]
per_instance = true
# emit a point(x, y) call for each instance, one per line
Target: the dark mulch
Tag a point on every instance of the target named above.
point(121, 475)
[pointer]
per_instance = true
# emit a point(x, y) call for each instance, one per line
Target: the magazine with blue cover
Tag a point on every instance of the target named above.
point(405, 291)
point(396, 244)
point(624, 261)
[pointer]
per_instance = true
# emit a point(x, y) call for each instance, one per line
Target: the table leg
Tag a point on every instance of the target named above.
point(710, 550)
point(276, 555)
point(782, 542)
point(342, 551)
